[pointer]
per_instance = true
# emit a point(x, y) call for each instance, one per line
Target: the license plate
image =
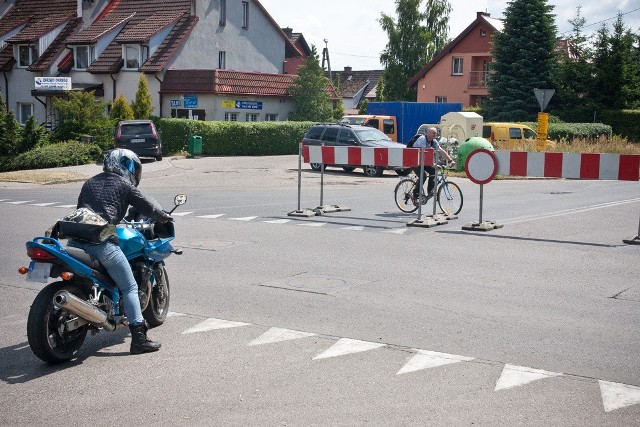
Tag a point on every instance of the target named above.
point(137, 140)
point(39, 272)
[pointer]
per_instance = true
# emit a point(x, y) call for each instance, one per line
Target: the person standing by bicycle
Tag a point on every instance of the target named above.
point(429, 141)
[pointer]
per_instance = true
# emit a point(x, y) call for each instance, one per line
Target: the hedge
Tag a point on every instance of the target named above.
point(232, 138)
point(569, 131)
point(61, 154)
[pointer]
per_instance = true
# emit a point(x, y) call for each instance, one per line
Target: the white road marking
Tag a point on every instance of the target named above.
point(570, 211)
point(19, 202)
point(65, 206)
point(514, 376)
point(426, 359)
point(44, 204)
point(246, 218)
point(277, 221)
point(312, 224)
point(211, 324)
point(174, 314)
point(279, 334)
point(616, 395)
point(181, 213)
point(211, 216)
point(348, 346)
point(396, 231)
point(354, 228)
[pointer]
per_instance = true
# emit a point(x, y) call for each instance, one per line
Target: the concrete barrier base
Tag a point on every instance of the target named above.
point(303, 212)
point(634, 241)
point(481, 226)
point(428, 221)
point(330, 208)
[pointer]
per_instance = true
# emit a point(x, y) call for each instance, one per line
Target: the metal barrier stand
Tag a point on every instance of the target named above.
point(433, 219)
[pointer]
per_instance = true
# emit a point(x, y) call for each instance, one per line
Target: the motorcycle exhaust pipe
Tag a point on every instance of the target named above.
point(74, 305)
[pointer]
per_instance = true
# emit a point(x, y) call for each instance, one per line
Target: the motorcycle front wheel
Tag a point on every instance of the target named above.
point(156, 312)
point(48, 337)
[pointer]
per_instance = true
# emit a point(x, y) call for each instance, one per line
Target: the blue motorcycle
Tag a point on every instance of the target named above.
point(87, 299)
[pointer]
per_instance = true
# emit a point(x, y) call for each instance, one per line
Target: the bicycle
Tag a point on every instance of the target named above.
point(449, 195)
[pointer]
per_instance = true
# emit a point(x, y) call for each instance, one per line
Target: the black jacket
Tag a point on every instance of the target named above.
point(109, 195)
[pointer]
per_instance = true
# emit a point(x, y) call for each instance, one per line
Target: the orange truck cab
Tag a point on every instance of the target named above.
point(385, 124)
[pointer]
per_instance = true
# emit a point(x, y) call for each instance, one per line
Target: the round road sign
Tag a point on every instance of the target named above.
point(481, 166)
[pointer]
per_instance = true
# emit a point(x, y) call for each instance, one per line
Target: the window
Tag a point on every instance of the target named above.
point(222, 59)
point(25, 110)
point(27, 55)
point(457, 66)
point(483, 32)
point(134, 56)
point(245, 14)
point(441, 99)
point(251, 117)
point(83, 56)
point(515, 133)
point(330, 134)
point(388, 126)
point(230, 117)
point(346, 137)
point(223, 12)
point(270, 117)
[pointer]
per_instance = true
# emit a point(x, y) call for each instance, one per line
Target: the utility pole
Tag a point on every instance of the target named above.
point(325, 55)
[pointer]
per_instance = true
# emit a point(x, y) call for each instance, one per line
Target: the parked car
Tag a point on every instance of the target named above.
point(511, 135)
point(139, 136)
point(342, 134)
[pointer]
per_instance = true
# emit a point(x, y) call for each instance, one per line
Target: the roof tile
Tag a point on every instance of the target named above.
point(102, 26)
point(56, 47)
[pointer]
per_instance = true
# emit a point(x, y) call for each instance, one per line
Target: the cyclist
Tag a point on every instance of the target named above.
point(429, 141)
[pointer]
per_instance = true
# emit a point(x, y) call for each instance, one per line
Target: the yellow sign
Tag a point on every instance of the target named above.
point(228, 104)
point(543, 125)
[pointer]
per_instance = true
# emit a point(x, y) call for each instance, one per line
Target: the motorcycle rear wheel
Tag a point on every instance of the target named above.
point(47, 338)
point(156, 312)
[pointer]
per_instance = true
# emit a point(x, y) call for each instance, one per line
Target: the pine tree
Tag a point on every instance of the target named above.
point(32, 135)
point(12, 134)
point(120, 109)
point(142, 105)
point(524, 58)
point(3, 125)
point(309, 91)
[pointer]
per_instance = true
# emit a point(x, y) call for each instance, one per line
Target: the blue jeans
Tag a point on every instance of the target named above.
point(113, 259)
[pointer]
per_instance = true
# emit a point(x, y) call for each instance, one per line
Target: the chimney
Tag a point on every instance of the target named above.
point(347, 70)
point(288, 31)
point(479, 14)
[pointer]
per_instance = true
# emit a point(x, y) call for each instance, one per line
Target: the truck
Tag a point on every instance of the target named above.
point(400, 120)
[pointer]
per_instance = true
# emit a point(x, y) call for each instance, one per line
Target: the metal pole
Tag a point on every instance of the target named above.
point(435, 189)
point(322, 182)
point(481, 197)
point(420, 183)
point(299, 173)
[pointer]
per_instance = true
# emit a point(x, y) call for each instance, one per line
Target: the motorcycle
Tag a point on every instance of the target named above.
point(87, 299)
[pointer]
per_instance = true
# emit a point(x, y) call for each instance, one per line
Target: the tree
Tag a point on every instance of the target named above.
point(574, 71)
point(142, 105)
point(120, 109)
point(32, 135)
point(11, 135)
point(309, 91)
point(83, 114)
point(523, 60)
point(3, 126)
point(411, 44)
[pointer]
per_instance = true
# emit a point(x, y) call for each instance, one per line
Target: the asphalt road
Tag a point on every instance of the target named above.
point(350, 318)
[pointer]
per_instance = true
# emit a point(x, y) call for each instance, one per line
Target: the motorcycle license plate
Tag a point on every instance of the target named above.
point(38, 272)
point(137, 140)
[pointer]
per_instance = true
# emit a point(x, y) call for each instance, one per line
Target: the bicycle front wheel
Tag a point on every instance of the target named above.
point(450, 198)
point(404, 195)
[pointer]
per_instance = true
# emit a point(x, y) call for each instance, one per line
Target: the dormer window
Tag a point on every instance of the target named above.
point(83, 56)
point(27, 55)
point(134, 56)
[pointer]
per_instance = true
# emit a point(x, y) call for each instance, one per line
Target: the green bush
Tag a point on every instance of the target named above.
point(233, 138)
point(70, 153)
point(569, 131)
point(623, 122)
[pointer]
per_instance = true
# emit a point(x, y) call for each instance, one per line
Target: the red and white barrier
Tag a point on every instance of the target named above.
point(367, 156)
point(624, 167)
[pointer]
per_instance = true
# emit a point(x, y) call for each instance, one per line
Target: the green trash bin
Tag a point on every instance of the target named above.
point(195, 145)
point(467, 147)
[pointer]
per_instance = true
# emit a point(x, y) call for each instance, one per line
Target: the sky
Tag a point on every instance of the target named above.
point(355, 38)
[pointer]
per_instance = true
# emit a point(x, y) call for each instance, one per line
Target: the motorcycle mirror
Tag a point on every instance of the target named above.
point(180, 199)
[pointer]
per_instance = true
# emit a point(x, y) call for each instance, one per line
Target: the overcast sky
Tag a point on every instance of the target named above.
point(355, 38)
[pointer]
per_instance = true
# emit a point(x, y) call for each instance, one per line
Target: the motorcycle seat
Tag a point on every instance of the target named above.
point(85, 258)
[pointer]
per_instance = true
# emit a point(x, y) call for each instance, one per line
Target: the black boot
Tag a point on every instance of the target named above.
point(139, 341)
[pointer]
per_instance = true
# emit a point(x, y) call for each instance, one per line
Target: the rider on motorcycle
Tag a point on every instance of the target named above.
point(109, 194)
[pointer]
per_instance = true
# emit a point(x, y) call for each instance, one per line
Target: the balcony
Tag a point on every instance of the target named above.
point(478, 79)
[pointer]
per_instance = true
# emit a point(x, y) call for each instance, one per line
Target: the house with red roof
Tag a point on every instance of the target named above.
point(205, 59)
point(458, 73)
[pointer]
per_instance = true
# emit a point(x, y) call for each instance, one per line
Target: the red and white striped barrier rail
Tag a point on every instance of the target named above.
point(624, 167)
point(367, 156)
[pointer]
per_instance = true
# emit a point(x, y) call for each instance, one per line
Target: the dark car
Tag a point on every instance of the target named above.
point(342, 134)
point(139, 136)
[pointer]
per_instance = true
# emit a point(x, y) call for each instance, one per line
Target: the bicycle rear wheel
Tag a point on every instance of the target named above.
point(404, 195)
point(450, 198)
